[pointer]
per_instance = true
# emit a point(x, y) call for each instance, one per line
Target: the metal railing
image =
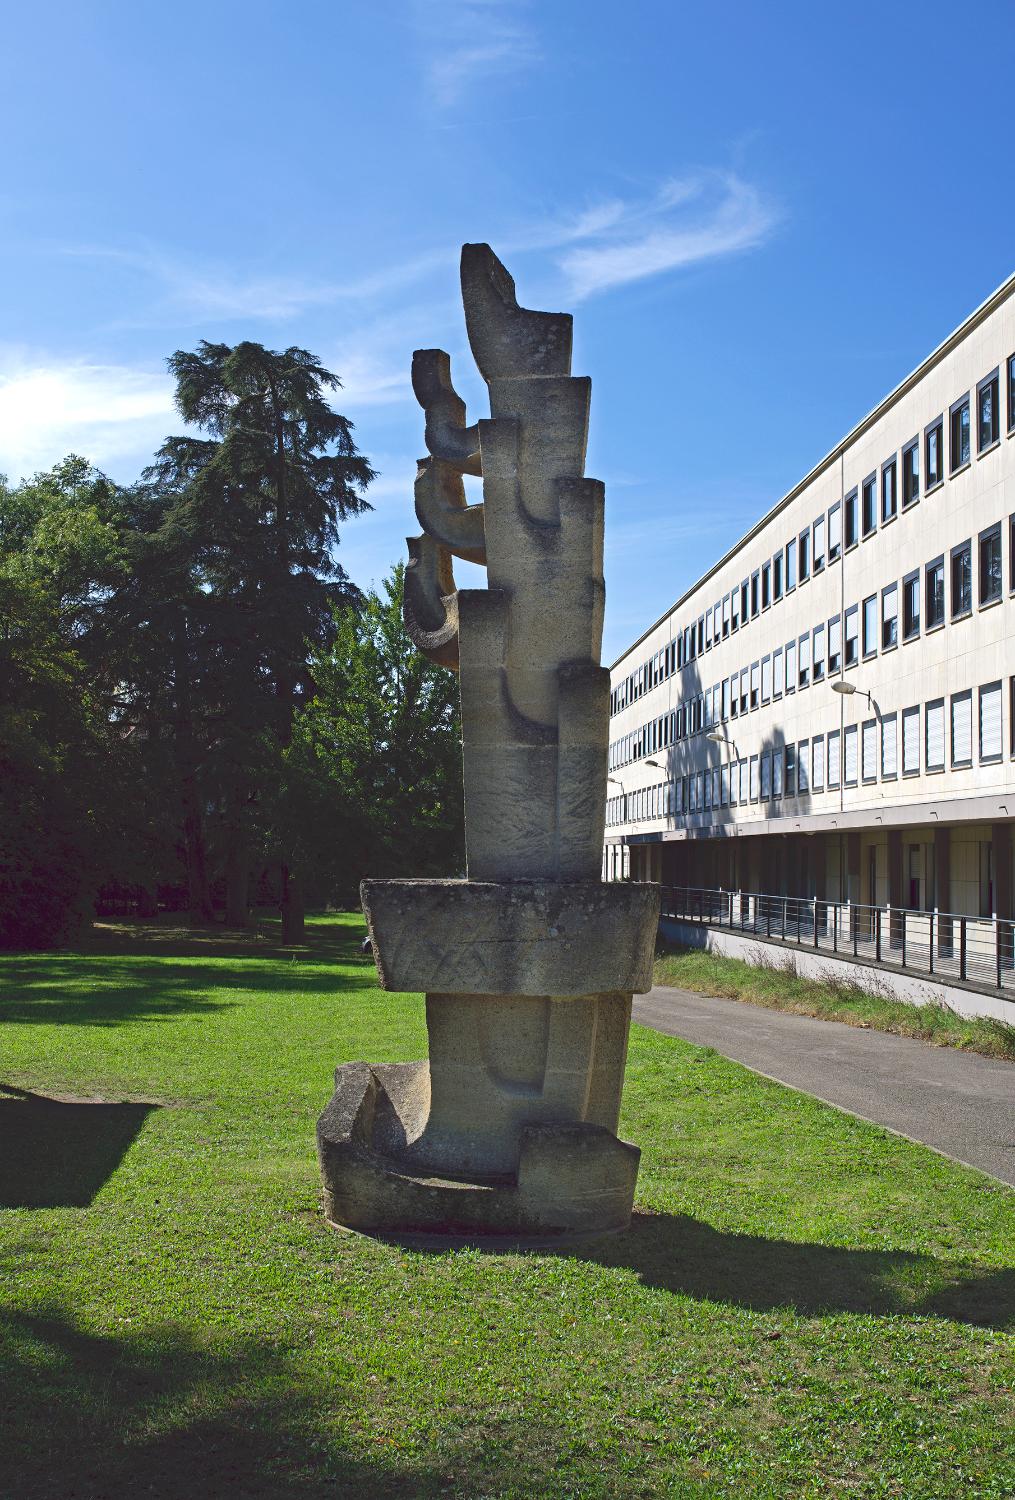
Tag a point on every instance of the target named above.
point(975, 950)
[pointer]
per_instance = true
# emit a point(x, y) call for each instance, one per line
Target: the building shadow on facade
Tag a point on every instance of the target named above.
point(682, 1255)
point(58, 1153)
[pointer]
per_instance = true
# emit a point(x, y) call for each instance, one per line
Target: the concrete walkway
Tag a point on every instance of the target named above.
point(957, 1102)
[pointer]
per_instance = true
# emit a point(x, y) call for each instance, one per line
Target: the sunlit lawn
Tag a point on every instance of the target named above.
point(806, 1305)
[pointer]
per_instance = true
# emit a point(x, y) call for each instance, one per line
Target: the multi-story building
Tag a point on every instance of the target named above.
point(830, 711)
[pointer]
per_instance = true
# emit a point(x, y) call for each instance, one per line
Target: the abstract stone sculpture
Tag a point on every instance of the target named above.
point(528, 965)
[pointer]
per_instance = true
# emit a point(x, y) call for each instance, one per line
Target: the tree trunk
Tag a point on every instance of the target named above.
point(147, 901)
point(293, 928)
point(237, 882)
point(199, 896)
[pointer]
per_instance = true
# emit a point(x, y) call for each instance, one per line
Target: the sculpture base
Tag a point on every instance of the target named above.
point(573, 1180)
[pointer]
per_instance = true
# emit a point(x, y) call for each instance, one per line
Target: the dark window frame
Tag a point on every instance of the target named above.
point(932, 428)
point(993, 379)
point(887, 645)
point(909, 500)
point(987, 535)
point(954, 555)
point(957, 464)
point(869, 491)
point(910, 626)
point(865, 654)
point(833, 556)
point(930, 623)
point(849, 512)
point(889, 470)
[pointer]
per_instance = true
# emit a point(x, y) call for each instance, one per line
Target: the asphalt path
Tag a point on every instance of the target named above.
point(956, 1102)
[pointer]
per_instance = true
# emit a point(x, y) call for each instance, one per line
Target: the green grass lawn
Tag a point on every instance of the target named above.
point(805, 1305)
point(777, 986)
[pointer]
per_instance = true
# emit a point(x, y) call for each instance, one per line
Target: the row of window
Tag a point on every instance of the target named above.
point(853, 519)
point(860, 632)
point(862, 753)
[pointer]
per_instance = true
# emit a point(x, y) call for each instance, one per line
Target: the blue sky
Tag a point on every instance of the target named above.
point(761, 216)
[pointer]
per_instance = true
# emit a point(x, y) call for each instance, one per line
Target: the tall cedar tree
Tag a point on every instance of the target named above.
point(256, 505)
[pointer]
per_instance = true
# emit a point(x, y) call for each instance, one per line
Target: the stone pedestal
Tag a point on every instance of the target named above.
point(510, 1127)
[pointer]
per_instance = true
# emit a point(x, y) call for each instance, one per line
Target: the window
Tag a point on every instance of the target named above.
point(735, 610)
point(791, 666)
point(745, 601)
point(818, 653)
point(777, 672)
point(724, 786)
point(803, 767)
point(726, 617)
point(834, 645)
point(755, 683)
point(804, 674)
point(766, 775)
point(1011, 394)
point(933, 452)
point(962, 728)
point(889, 747)
point(910, 606)
point(990, 722)
point(834, 532)
point(777, 577)
point(725, 699)
point(755, 784)
point(766, 679)
point(870, 505)
point(790, 566)
point(754, 594)
point(890, 617)
point(869, 750)
point(766, 585)
point(833, 760)
point(934, 592)
point(911, 473)
point(910, 741)
point(962, 580)
point(790, 756)
point(818, 764)
point(849, 770)
point(805, 556)
point(934, 747)
point(777, 773)
point(870, 625)
point(958, 419)
point(734, 695)
point(743, 691)
point(850, 521)
point(889, 491)
point(988, 417)
point(990, 565)
point(852, 636)
point(818, 549)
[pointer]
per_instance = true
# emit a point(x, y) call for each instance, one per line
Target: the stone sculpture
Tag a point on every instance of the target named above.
point(530, 963)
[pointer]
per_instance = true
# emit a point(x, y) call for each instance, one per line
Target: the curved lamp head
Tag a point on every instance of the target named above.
point(847, 689)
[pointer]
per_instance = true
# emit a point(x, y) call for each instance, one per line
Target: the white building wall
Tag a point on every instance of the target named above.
point(962, 655)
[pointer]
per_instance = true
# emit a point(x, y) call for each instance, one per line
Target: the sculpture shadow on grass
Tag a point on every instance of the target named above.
point(685, 1256)
point(58, 1153)
point(164, 1414)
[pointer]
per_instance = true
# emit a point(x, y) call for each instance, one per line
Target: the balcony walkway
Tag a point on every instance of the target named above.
point(956, 1102)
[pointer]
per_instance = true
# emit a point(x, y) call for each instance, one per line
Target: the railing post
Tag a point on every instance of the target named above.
point(962, 947)
point(997, 949)
point(877, 933)
point(768, 918)
point(835, 927)
point(854, 927)
point(815, 921)
point(931, 943)
point(903, 937)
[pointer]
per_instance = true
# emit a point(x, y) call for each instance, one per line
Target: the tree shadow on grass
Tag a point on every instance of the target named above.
point(58, 1153)
point(100, 1417)
point(683, 1255)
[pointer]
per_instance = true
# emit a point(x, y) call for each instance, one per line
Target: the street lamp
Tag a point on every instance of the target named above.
point(719, 738)
point(842, 686)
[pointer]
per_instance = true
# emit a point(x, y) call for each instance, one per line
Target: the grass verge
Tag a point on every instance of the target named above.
point(777, 986)
point(805, 1305)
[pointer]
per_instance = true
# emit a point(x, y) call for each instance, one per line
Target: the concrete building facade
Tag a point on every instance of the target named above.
point(829, 712)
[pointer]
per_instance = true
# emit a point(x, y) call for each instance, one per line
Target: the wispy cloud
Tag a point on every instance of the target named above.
point(202, 291)
point(466, 42)
point(50, 408)
point(688, 221)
